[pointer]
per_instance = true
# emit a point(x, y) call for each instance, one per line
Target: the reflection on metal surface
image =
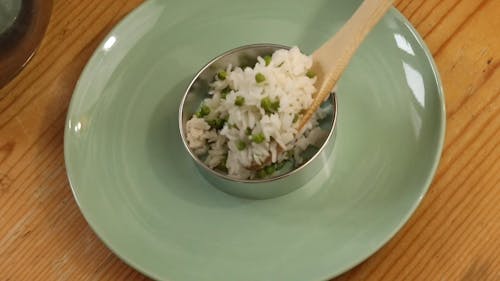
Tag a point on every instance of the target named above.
point(326, 164)
point(403, 44)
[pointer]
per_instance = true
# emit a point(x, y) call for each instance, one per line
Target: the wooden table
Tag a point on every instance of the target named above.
point(454, 234)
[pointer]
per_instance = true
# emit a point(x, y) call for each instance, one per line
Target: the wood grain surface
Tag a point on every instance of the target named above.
point(453, 235)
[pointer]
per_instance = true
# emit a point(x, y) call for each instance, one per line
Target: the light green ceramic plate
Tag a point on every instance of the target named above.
point(141, 193)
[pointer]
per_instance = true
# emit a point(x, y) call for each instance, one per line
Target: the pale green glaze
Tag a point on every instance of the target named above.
point(144, 197)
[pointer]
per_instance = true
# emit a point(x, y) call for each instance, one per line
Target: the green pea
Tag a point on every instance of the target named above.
point(269, 106)
point(211, 123)
point(310, 74)
point(266, 103)
point(259, 77)
point(222, 75)
point(261, 174)
point(241, 145)
point(280, 165)
point(248, 131)
point(204, 111)
point(275, 105)
point(270, 169)
point(239, 101)
point(267, 59)
point(217, 124)
point(224, 92)
point(295, 118)
point(258, 138)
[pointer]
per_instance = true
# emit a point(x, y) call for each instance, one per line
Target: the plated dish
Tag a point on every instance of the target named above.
point(253, 147)
point(141, 193)
point(246, 124)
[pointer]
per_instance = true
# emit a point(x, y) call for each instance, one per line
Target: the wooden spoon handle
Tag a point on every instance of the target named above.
point(332, 58)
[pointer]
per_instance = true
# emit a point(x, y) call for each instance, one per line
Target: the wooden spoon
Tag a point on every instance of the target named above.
point(332, 58)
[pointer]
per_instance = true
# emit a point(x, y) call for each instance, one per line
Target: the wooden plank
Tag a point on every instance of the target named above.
point(454, 234)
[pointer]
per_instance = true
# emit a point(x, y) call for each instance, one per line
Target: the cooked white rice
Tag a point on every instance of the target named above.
point(240, 128)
